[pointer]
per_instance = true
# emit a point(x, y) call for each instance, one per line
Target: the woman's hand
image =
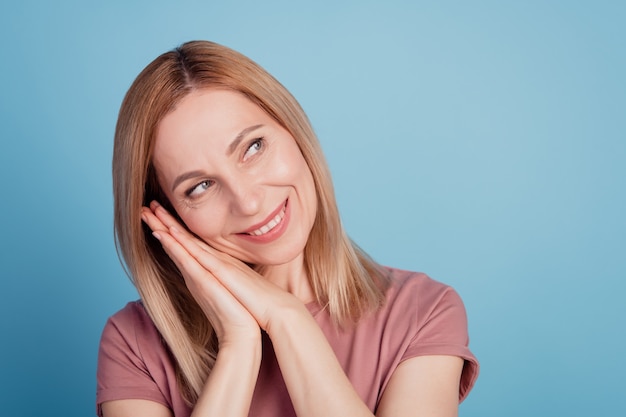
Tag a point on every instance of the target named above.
point(200, 264)
point(229, 291)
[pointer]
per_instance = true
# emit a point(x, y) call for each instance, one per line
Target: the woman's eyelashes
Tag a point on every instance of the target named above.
point(198, 189)
point(255, 146)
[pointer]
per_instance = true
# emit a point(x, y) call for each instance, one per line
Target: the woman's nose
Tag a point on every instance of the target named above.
point(247, 198)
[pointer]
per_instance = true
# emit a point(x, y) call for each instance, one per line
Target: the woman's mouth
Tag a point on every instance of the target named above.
point(271, 224)
point(274, 219)
point(270, 229)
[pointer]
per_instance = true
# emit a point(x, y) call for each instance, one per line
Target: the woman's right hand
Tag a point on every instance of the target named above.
point(231, 321)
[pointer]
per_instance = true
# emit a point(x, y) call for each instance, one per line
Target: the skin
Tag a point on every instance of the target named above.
point(233, 189)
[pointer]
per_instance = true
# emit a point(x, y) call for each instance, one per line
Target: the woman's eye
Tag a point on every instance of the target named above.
point(254, 147)
point(199, 189)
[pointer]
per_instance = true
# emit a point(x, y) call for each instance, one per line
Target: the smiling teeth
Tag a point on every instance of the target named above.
point(270, 225)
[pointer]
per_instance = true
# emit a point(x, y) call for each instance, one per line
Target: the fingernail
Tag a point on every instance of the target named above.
point(156, 235)
point(144, 218)
point(174, 229)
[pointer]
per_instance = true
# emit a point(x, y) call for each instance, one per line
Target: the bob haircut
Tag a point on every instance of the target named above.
point(344, 279)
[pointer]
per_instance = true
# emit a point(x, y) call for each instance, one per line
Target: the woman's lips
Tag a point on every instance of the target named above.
point(271, 228)
point(269, 225)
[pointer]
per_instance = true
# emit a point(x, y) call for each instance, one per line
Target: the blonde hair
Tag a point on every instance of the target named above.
point(345, 280)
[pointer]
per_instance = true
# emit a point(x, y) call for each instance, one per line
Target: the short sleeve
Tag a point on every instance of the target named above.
point(442, 330)
point(123, 372)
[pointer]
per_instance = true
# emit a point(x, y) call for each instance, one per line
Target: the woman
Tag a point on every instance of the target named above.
point(253, 299)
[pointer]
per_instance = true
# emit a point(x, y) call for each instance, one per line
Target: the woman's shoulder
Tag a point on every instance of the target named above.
point(131, 347)
point(133, 314)
point(415, 285)
point(132, 325)
point(423, 302)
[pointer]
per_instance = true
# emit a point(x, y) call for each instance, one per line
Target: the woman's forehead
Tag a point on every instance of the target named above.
point(218, 116)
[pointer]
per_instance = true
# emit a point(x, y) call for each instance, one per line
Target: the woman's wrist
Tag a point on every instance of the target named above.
point(228, 390)
point(288, 315)
point(241, 344)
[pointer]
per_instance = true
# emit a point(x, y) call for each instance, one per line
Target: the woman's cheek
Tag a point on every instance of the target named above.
point(206, 227)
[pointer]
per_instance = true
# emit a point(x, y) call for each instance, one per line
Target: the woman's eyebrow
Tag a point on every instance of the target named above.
point(233, 145)
point(186, 176)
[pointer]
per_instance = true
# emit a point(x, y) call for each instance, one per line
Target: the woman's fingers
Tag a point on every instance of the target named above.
point(164, 216)
point(188, 252)
point(205, 255)
point(259, 297)
point(151, 220)
point(186, 262)
point(230, 319)
point(183, 259)
point(169, 221)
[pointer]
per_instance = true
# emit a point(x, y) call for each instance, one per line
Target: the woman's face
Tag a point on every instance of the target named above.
point(235, 177)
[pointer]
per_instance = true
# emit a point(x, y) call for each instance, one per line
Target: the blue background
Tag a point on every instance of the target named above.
point(481, 142)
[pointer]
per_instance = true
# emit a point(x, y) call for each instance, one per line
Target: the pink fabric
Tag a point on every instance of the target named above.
point(421, 317)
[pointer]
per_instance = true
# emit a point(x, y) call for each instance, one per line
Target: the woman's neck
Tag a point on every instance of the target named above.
point(291, 277)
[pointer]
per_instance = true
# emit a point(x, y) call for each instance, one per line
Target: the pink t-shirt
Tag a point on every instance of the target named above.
point(420, 317)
